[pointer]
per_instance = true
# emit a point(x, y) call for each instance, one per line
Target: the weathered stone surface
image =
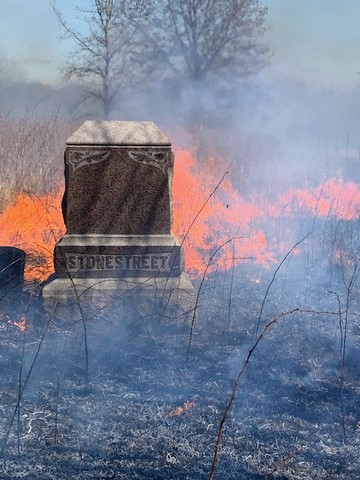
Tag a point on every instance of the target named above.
point(118, 214)
point(105, 288)
point(79, 298)
point(12, 263)
point(117, 190)
point(101, 132)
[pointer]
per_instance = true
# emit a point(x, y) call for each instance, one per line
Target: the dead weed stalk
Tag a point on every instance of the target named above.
point(241, 373)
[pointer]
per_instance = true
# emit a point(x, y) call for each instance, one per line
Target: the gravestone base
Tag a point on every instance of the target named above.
point(104, 271)
point(72, 300)
point(103, 291)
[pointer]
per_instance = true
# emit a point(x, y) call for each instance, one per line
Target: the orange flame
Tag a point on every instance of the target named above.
point(184, 408)
point(22, 324)
point(33, 224)
point(333, 197)
point(218, 218)
point(207, 215)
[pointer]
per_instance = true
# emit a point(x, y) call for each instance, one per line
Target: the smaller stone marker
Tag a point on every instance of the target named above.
point(118, 213)
point(12, 263)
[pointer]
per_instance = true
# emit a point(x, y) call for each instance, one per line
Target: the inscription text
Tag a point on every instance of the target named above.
point(150, 262)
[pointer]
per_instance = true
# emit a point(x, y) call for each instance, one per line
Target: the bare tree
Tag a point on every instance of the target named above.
point(103, 54)
point(9, 71)
point(196, 37)
point(173, 39)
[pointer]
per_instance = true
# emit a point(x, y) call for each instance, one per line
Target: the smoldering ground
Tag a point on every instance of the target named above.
point(134, 400)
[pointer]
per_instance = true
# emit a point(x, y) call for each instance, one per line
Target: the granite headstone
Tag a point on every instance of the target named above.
point(117, 210)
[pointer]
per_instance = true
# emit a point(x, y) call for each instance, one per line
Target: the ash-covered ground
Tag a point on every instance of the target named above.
point(133, 401)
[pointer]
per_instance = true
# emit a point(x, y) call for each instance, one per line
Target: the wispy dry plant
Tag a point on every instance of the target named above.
point(23, 384)
point(273, 279)
point(31, 150)
point(343, 316)
point(244, 365)
point(193, 318)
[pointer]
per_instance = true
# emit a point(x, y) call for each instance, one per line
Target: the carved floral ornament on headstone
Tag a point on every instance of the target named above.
point(158, 159)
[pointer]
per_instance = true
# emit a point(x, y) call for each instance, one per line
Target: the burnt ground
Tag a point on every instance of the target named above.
point(149, 411)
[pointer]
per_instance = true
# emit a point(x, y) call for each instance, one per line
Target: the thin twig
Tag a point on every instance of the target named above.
point(78, 300)
point(21, 391)
point(205, 203)
point(21, 374)
point(349, 287)
point(341, 363)
point(189, 229)
point(273, 279)
point(240, 374)
point(199, 291)
point(231, 286)
point(284, 461)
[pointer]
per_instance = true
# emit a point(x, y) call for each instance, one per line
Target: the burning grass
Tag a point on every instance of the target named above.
point(203, 221)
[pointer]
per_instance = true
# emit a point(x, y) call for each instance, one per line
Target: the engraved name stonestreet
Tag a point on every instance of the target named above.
point(150, 262)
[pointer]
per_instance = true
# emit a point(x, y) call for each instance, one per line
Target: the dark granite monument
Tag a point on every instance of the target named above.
point(12, 263)
point(118, 213)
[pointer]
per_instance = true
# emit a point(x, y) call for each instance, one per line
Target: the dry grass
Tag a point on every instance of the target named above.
point(31, 152)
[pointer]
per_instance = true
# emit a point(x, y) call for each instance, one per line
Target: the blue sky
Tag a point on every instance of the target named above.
point(317, 41)
point(30, 35)
point(314, 41)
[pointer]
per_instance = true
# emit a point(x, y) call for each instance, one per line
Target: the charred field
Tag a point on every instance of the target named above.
point(138, 402)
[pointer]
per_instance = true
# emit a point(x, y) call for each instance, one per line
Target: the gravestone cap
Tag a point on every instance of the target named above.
point(101, 132)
